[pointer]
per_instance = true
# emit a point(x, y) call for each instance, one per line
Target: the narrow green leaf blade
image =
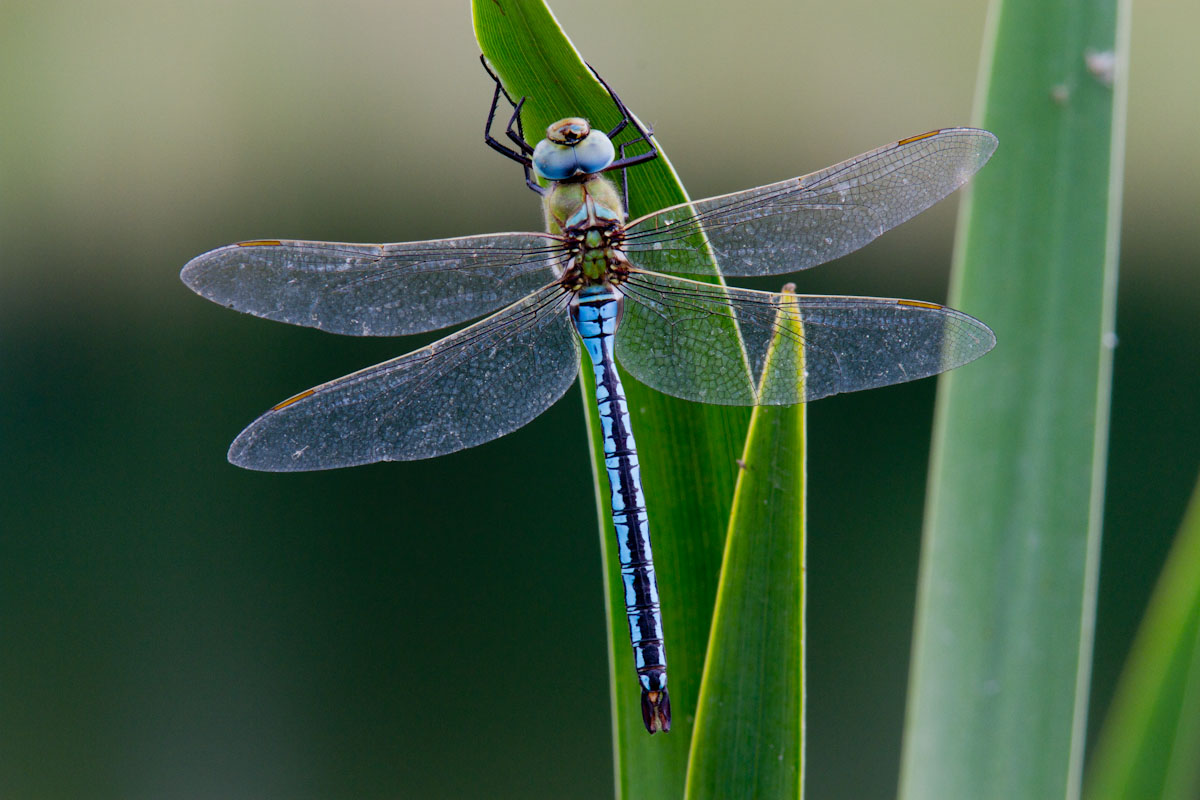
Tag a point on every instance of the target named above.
point(687, 451)
point(1149, 744)
point(749, 735)
point(998, 687)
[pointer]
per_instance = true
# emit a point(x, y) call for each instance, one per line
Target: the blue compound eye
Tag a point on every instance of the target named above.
point(554, 162)
point(595, 152)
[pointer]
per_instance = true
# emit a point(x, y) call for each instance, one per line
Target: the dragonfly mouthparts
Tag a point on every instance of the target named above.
point(656, 710)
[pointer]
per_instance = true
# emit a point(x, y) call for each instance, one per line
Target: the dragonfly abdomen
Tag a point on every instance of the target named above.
point(595, 312)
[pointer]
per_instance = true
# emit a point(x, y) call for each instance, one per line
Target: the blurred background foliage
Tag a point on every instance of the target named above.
point(175, 627)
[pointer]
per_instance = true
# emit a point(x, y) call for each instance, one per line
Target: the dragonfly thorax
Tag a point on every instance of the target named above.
point(573, 206)
point(589, 215)
point(596, 258)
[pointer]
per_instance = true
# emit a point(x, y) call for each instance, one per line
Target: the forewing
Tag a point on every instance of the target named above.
point(799, 223)
point(675, 336)
point(376, 289)
point(466, 389)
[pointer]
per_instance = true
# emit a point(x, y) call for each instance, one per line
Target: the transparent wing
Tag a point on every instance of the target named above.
point(466, 389)
point(799, 223)
point(675, 336)
point(376, 289)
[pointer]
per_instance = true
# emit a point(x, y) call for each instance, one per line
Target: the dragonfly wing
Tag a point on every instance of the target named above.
point(801, 222)
point(678, 336)
point(466, 389)
point(376, 289)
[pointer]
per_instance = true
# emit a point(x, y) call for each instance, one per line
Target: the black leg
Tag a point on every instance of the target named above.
point(520, 157)
point(517, 137)
point(624, 178)
point(495, 144)
point(644, 134)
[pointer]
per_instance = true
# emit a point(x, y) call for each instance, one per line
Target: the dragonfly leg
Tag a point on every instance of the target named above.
point(624, 179)
point(627, 162)
point(521, 156)
point(517, 137)
point(644, 132)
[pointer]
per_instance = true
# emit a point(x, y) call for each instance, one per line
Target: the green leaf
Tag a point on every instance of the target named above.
point(999, 679)
point(1147, 748)
point(688, 452)
point(749, 735)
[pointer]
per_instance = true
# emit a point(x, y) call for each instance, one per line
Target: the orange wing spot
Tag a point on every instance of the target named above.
point(295, 399)
point(919, 137)
point(261, 243)
point(913, 303)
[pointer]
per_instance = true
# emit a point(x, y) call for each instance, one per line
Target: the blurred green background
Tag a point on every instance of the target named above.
point(175, 627)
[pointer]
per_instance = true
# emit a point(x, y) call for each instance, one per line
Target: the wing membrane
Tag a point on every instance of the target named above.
point(466, 389)
point(675, 336)
point(376, 289)
point(801, 222)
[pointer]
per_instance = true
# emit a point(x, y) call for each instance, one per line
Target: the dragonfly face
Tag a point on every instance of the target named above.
point(614, 288)
point(571, 148)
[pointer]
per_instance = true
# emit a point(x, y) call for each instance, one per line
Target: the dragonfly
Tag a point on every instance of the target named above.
point(617, 288)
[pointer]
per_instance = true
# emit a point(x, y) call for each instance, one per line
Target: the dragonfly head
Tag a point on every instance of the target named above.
point(572, 148)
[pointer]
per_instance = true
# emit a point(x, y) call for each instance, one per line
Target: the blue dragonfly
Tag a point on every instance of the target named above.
point(616, 288)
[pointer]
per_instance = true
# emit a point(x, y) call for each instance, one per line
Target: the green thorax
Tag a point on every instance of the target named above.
point(591, 210)
point(567, 201)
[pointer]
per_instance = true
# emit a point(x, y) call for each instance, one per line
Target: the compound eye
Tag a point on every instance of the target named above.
point(594, 153)
point(568, 131)
point(554, 162)
point(572, 148)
